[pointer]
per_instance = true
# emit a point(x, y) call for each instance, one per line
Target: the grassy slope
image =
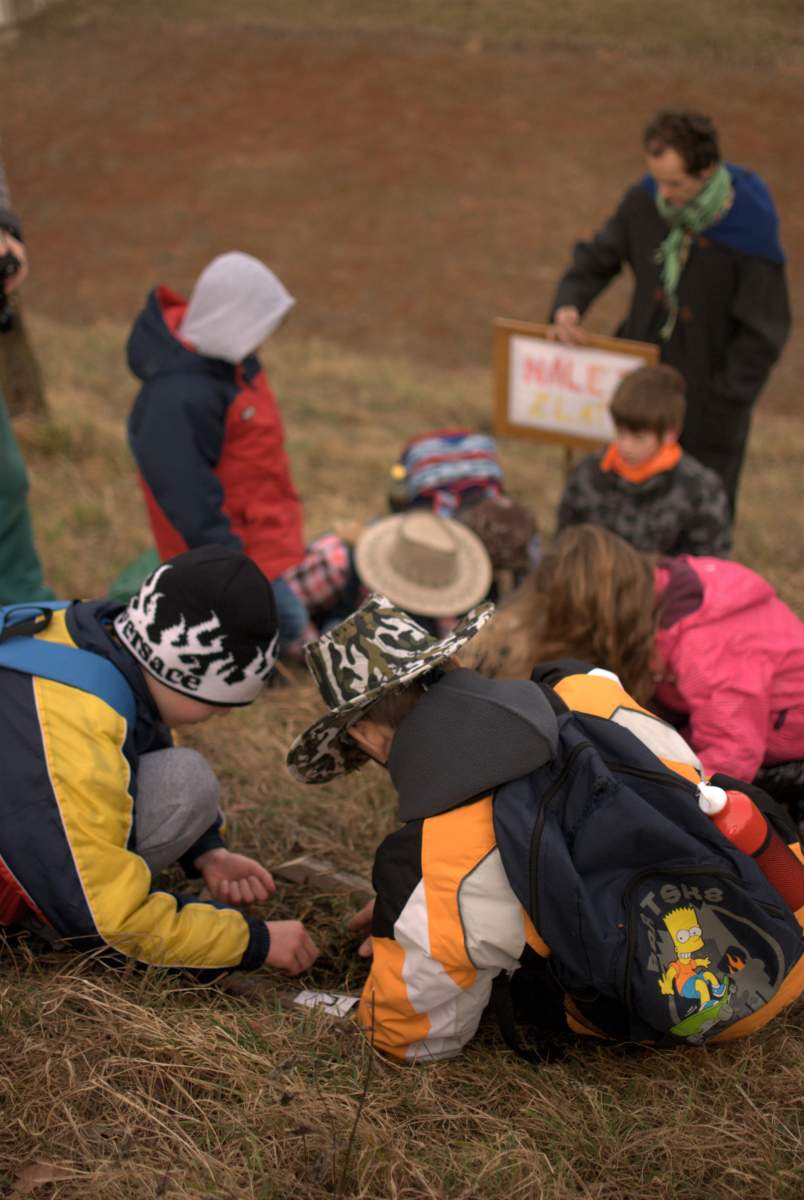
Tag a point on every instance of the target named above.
point(143, 1087)
point(346, 417)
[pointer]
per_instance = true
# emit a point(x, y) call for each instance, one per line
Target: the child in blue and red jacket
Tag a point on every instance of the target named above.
point(205, 428)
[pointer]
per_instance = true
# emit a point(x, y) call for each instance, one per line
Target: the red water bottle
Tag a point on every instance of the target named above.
point(739, 819)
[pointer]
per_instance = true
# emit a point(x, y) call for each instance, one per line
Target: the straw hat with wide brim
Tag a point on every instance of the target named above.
point(426, 564)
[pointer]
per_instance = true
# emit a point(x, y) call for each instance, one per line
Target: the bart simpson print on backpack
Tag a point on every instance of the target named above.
point(710, 978)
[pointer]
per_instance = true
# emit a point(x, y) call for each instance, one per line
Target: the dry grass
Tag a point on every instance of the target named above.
point(140, 1085)
point(347, 417)
point(143, 1087)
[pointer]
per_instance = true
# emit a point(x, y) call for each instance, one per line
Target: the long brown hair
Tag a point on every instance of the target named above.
point(591, 597)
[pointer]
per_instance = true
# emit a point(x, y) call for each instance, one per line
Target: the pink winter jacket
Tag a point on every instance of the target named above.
point(732, 659)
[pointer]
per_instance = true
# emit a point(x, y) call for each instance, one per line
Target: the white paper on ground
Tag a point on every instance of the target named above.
point(334, 1002)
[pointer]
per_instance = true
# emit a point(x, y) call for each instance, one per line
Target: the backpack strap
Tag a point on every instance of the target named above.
point(547, 1051)
point(33, 618)
point(556, 669)
point(71, 665)
point(556, 702)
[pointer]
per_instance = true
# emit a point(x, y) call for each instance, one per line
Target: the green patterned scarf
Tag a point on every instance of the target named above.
point(714, 199)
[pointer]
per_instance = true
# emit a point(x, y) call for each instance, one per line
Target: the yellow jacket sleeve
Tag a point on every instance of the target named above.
point(96, 885)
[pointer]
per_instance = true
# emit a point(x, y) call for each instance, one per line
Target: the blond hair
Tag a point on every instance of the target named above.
point(592, 598)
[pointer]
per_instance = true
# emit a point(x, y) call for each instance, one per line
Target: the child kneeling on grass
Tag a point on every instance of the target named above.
point(95, 799)
point(456, 900)
point(206, 431)
point(643, 487)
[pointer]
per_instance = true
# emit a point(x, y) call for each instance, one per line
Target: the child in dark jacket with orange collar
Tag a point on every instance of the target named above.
point(643, 487)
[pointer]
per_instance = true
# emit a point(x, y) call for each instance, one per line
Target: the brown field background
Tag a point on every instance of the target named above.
point(410, 171)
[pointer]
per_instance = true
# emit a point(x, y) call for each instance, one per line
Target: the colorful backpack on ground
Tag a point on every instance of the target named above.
point(660, 930)
point(441, 468)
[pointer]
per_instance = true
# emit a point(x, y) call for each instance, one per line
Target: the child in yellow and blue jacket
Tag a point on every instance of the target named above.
point(94, 797)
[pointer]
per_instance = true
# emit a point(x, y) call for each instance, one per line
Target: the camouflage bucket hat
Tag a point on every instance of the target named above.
point(377, 648)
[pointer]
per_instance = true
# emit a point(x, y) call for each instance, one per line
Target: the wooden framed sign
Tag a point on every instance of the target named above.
point(553, 392)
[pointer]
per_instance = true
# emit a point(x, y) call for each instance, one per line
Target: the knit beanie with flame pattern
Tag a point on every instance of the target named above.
point(204, 624)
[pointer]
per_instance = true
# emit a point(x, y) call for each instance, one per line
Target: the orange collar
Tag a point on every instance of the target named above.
point(665, 458)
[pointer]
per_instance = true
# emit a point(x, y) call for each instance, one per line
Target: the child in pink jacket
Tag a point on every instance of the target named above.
point(732, 660)
point(706, 640)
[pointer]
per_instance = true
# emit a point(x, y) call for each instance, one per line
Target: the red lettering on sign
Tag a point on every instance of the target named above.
point(533, 370)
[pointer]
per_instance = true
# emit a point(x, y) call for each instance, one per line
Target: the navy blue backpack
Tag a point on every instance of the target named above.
point(660, 929)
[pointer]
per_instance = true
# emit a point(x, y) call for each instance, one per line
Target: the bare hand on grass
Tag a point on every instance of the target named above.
point(292, 950)
point(361, 923)
point(234, 878)
point(566, 326)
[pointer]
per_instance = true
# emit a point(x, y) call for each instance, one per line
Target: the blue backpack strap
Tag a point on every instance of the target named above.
point(67, 664)
point(26, 607)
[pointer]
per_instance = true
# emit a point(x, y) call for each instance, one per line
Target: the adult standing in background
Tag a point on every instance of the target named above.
point(701, 237)
point(20, 569)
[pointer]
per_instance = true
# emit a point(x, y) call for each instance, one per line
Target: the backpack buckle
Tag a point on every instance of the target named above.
point(23, 620)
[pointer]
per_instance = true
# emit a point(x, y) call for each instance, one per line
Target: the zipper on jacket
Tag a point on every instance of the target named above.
point(538, 829)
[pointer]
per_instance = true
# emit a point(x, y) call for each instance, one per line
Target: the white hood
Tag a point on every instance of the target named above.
point(236, 303)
